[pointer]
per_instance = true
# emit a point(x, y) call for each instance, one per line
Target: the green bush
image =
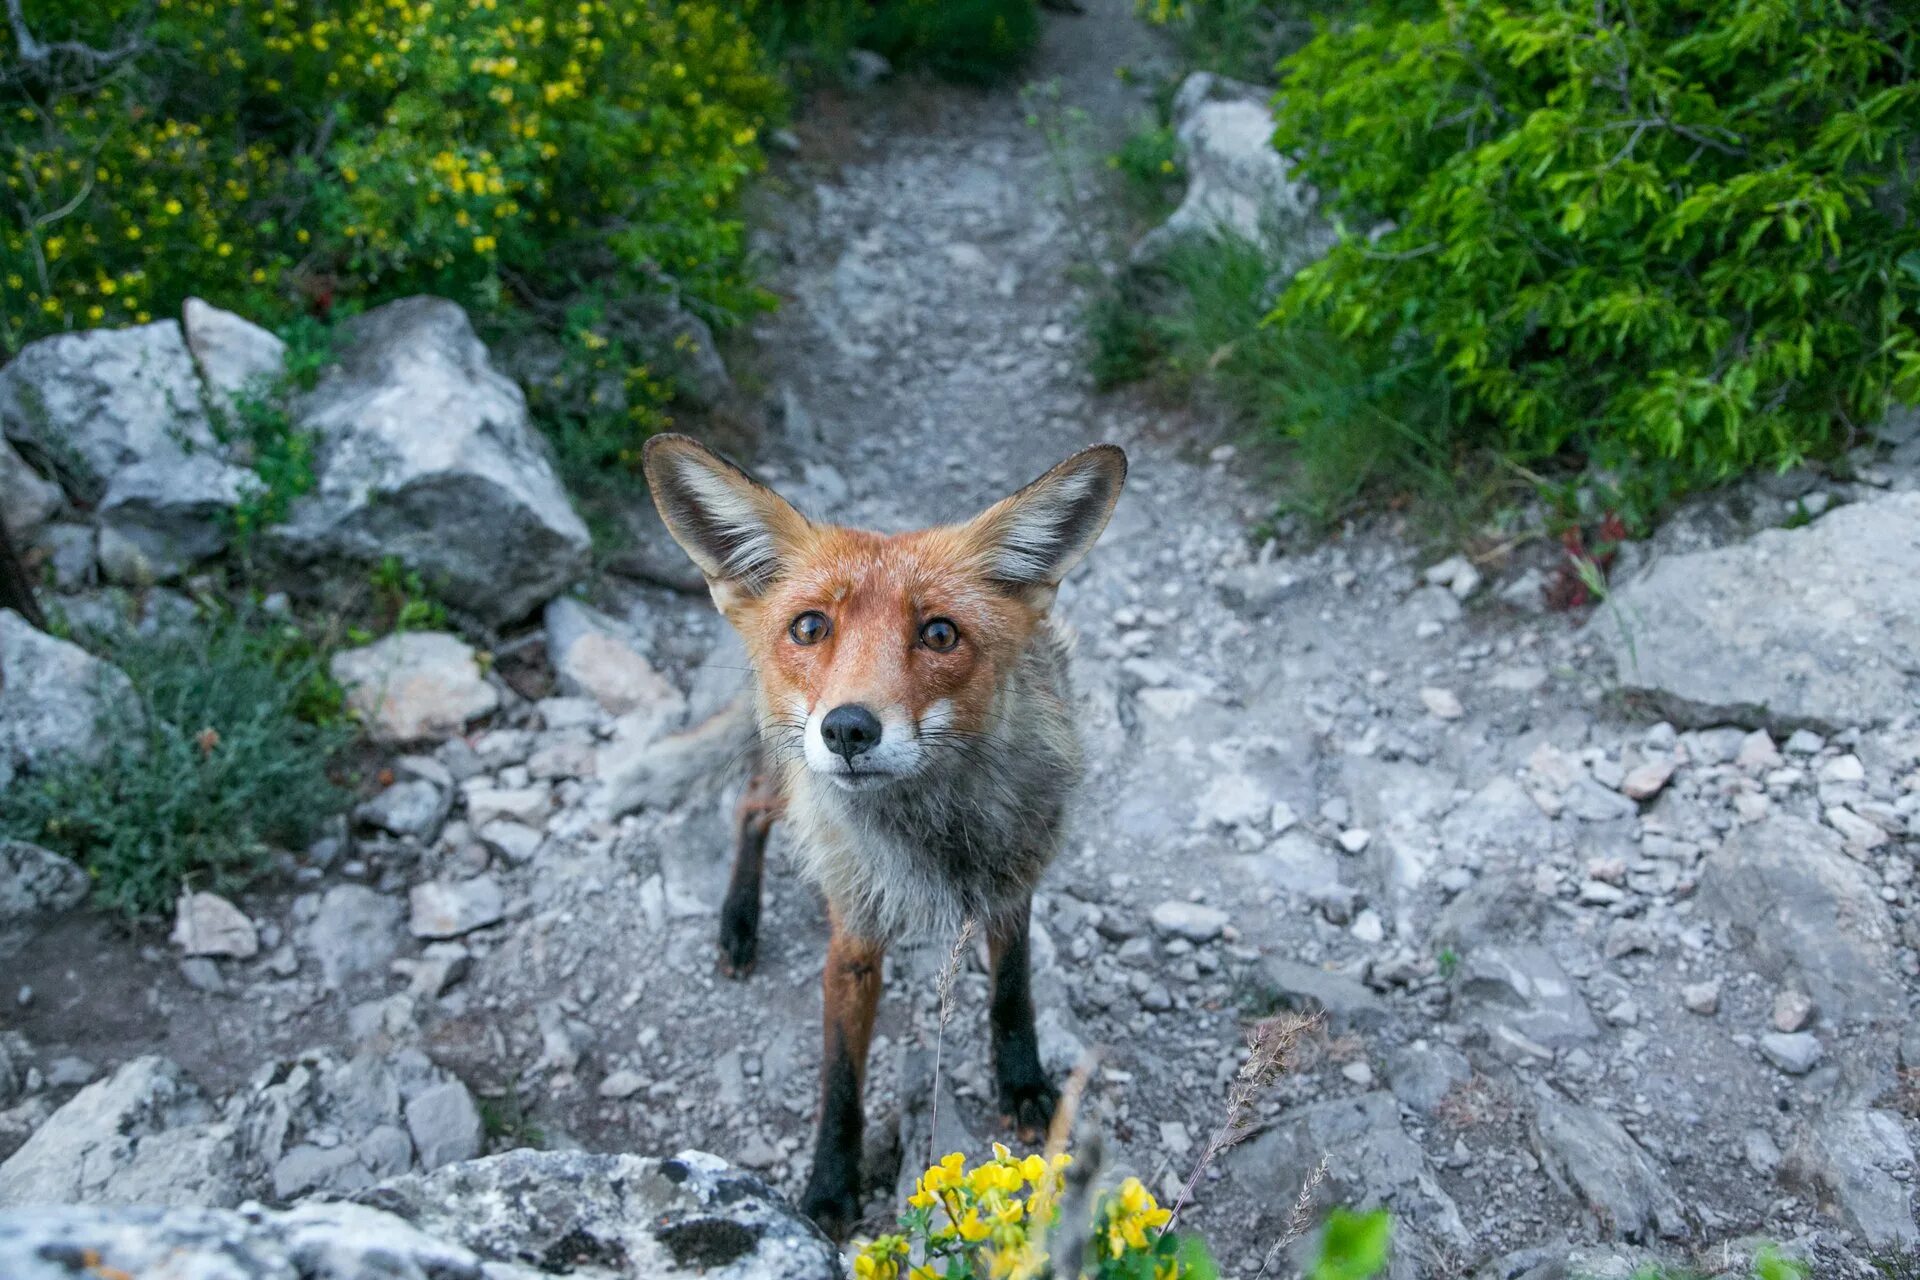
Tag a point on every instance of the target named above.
point(973, 41)
point(1666, 234)
point(242, 724)
point(277, 158)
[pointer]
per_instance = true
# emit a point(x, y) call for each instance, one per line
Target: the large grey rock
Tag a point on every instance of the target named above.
point(1591, 1156)
point(1500, 817)
point(595, 657)
point(54, 698)
point(1524, 988)
point(83, 406)
point(237, 358)
point(1807, 916)
point(1423, 1073)
point(144, 1135)
point(648, 771)
point(36, 882)
point(526, 1215)
point(413, 686)
point(424, 452)
point(1860, 1161)
point(159, 517)
point(354, 932)
point(26, 501)
point(1810, 627)
point(1371, 1162)
point(1346, 1001)
point(1238, 185)
point(450, 908)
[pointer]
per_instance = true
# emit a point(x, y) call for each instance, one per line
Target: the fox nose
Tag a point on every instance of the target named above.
point(850, 730)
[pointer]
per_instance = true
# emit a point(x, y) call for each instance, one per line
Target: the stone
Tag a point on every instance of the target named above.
point(1861, 1162)
point(1792, 1010)
point(1590, 800)
point(1238, 185)
point(448, 909)
point(26, 501)
point(622, 1084)
point(84, 405)
point(1807, 915)
point(1190, 920)
point(528, 806)
point(237, 359)
point(1644, 782)
point(1347, 1002)
point(1371, 1162)
point(1588, 1154)
point(1524, 988)
point(1795, 1053)
point(206, 924)
point(1702, 998)
point(37, 882)
point(1423, 1073)
point(354, 932)
point(54, 699)
point(424, 452)
point(144, 1135)
point(1499, 818)
point(524, 1215)
point(160, 518)
point(646, 771)
point(1793, 628)
point(445, 1125)
point(412, 807)
point(594, 657)
point(1442, 704)
point(414, 686)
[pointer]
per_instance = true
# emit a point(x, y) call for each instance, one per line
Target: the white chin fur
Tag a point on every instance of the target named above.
point(900, 753)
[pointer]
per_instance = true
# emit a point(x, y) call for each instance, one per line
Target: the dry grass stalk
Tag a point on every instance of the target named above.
point(1068, 1247)
point(948, 976)
point(1270, 1046)
point(1300, 1219)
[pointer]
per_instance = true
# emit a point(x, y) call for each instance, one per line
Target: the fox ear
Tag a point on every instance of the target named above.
point(1035, 537)
point(735, 528)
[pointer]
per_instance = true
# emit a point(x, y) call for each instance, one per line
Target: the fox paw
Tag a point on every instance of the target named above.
point(834, 1208)
point(1028, 1106)
point(739, 944)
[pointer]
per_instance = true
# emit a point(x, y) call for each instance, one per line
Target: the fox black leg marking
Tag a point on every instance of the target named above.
point(852, 992)
point(740, 913)
point(1026, 1097)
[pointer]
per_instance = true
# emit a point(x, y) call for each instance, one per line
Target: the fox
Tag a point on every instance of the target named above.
point(916, 732)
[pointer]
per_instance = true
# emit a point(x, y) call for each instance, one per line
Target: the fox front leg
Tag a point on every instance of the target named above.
point(852, 993)
point(759, 808)
point(1026, 1097)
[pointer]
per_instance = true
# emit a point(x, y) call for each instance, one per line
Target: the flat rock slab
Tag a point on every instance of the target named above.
point(525, 1215)
point(54, 697)
point(1812, 627)
point(1594, 1158)
point(1809, 916)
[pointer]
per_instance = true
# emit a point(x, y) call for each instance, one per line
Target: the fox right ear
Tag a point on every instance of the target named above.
point(735, 528)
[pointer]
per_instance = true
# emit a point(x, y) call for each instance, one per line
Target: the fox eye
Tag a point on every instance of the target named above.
point(810, 627)
point(939, 635)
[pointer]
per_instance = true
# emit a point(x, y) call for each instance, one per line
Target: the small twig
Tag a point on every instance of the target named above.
point(948, 976)
point(39, 52)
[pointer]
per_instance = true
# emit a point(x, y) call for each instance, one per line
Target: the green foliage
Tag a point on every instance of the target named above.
point(281, 158)
point(1238, 38)
point(241, 724)
point(1353, 1246)
point(1149, 160)
point(1666, 232)
point(973, 41)
point(401, 600)
point(1353, 420)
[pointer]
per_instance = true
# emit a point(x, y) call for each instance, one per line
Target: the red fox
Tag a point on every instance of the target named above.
point(917, 731)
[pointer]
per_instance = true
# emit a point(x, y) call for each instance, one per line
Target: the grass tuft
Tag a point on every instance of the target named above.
point(242, 723)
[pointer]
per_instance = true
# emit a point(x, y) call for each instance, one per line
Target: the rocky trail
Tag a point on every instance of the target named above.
point(1612, 917)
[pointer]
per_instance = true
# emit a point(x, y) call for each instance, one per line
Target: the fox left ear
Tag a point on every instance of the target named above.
point(1034, 538)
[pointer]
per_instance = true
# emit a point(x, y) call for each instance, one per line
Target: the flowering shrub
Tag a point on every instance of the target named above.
point(277, 157)
point(993, 1222)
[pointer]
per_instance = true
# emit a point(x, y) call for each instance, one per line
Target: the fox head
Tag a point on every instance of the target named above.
point(873, 649)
